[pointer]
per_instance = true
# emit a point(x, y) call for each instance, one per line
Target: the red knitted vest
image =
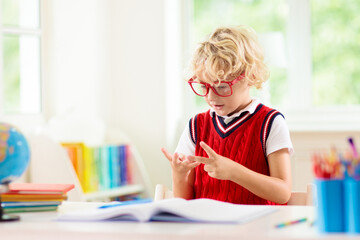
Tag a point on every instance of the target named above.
point(243, 141)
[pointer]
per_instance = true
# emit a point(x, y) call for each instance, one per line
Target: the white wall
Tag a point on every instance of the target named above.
point(137, 86)
point(74, 32)
point(106, 60)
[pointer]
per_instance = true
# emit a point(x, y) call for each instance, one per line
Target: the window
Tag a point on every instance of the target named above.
point(335, 39)
point(20, 50)
point(311, 48)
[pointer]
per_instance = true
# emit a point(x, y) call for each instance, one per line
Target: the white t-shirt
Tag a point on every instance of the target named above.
point(279, 136)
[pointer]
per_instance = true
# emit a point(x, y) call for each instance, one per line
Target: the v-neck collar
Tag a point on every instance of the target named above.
point(225, 129)
point(250, 108)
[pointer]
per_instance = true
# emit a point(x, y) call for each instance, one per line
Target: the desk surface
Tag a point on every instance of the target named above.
point(42, 225)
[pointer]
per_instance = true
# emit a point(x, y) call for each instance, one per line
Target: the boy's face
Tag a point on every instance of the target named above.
point(226, 106)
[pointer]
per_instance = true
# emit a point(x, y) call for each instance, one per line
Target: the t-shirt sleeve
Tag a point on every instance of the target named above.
point(186, 145)
point(279, 137)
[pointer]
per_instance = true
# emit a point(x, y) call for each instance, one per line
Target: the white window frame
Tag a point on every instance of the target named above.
point(26, 122)
point(302, 115)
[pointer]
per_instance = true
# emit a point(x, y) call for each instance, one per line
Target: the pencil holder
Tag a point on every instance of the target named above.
point(330, 205)
point(352, 205)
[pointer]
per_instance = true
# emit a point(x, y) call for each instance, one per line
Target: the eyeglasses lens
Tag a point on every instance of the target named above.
point(223, 90)
point(199, 88)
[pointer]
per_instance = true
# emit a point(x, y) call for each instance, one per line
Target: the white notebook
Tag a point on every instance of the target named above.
point(173, 210)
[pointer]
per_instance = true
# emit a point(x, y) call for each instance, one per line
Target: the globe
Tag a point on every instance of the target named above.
point(14, 153)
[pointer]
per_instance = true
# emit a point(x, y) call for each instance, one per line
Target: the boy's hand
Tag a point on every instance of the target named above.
point(216, 165)
point(180, 164)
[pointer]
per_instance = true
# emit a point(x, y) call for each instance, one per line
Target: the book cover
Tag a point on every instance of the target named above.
point(30, 209)
point(105, 180)
point(122, 164)
point(174, 210)
point(114, 167)
point(14, 197)
point(128, 158)
point(9, 207)
point(78, 149)
point(98, 168)
point(39, 188)
point(71, 151)
point(89, 178)
point(29, 204)
point(94, 176)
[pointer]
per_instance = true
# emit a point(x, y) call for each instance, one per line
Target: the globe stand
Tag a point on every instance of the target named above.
point(6, 217)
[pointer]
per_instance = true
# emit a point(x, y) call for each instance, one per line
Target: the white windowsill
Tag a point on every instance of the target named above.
point(333, 119)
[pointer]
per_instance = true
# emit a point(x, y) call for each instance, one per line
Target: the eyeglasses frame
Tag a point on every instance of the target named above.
point(208, 86)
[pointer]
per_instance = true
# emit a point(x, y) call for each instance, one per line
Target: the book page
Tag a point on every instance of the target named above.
point(208, 210)
point(137, 212)
point(175, 209)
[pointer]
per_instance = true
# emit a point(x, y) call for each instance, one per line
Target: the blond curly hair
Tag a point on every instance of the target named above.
point(228, 53)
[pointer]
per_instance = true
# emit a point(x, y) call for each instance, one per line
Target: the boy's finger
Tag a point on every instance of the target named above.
point(191, 163)
point(177, 157)
point(210, 152)
point(194, 164)
point(181, 157)
point(167, 154)
point(198, 159)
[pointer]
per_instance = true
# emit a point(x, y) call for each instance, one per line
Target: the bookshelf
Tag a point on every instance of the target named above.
point(115, 192)
point(50, 163)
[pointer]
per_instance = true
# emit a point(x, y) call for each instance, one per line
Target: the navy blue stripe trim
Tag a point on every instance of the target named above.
point(262, 132)
point(224, 135)
point(270, 124)
point(263, 142)
point(221, 120)
point(195, 128)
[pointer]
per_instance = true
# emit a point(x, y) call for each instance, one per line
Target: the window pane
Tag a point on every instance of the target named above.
point(336, 50)
point(268, 18)
point(21, 74)
point(21, 13)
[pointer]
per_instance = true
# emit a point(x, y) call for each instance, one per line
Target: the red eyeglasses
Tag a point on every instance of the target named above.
point(224, 89)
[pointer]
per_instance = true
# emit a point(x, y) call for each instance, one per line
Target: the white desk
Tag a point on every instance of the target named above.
point(42, 226)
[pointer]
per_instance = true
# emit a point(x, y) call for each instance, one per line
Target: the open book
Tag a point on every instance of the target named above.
point(174, 210)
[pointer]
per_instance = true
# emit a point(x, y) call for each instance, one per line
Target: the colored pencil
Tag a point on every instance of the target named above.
point(284, 224)
point(353, 147)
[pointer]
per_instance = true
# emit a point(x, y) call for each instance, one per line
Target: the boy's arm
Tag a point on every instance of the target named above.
point(276, 187)
point(183, 186)
point(183, 174)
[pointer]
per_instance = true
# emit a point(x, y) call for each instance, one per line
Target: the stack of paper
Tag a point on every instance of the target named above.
point(34, 197)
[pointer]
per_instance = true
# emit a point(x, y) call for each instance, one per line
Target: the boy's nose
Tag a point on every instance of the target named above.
point(211, 94)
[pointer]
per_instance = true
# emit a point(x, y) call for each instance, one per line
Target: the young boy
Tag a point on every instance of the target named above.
point(239, 150)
